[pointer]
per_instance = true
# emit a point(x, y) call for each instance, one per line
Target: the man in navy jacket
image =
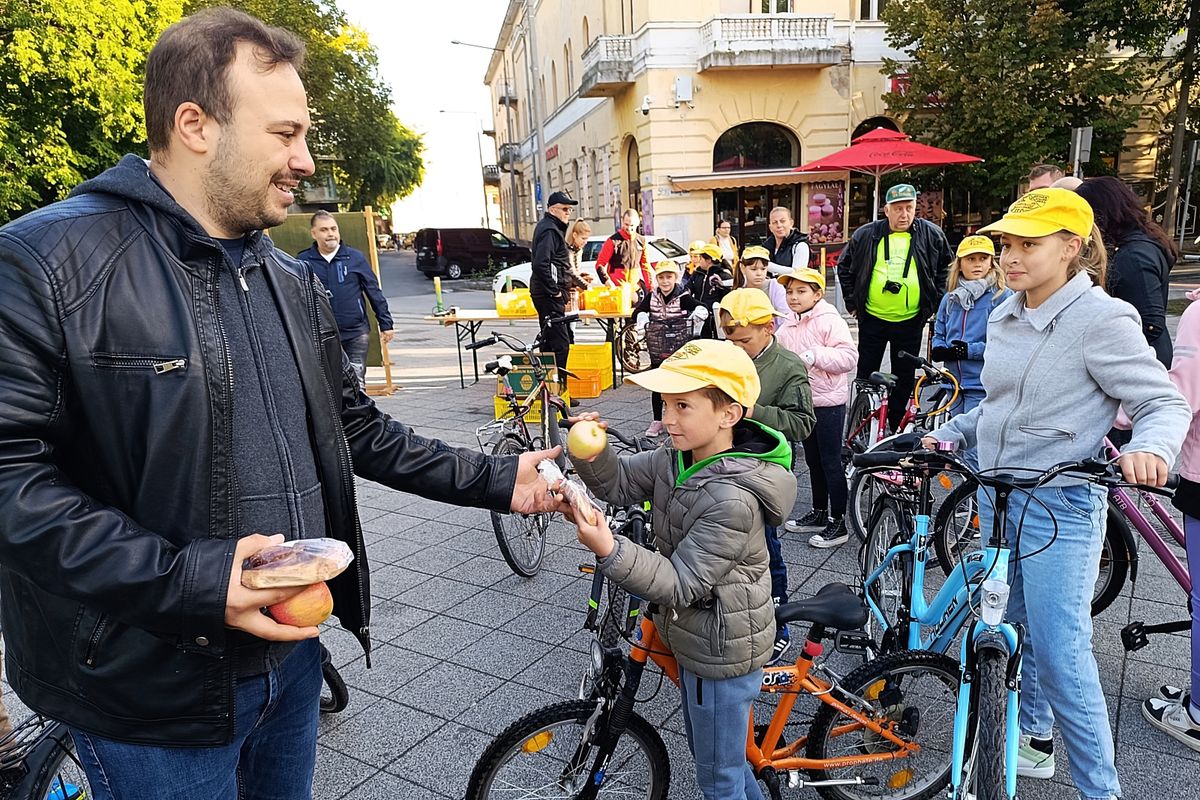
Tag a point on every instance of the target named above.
point(347, 277)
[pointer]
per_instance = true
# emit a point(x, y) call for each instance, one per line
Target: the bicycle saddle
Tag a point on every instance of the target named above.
point(834, 606)
point(882, 379)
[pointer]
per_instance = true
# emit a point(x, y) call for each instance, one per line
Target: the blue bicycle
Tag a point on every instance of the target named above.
point(895, 556)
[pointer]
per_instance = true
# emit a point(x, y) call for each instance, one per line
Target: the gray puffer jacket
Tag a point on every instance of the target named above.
point(710, 572)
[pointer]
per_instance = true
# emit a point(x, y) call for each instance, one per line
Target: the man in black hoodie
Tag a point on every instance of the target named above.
point(173, 398)
point(550, 280)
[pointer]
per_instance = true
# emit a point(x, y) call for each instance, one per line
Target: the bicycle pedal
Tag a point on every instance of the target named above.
point(1134, 636)
point(853, 643)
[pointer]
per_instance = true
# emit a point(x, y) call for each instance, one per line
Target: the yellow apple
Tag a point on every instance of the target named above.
point(586, 440)
point(311, 606)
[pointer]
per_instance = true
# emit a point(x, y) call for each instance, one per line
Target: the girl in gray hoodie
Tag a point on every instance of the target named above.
point(1061, 356)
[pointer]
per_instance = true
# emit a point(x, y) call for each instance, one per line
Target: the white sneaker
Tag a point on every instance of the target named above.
point(1173, 719)
point(1033, 763)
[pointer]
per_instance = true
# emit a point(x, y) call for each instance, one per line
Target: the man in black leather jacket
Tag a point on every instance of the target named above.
point(171, 388)
point(550, 278)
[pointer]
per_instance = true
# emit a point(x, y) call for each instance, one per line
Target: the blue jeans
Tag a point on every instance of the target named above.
point(716, 715)
point(1051, 595)
point(356, 350)
point(271, 757)
point(778, 567)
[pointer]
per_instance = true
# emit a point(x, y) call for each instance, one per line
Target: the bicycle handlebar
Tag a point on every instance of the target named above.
point(488, 342)
point(925, 366)
point(636, 444)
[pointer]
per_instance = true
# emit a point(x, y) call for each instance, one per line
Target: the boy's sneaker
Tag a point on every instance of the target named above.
point(783, 641)
point(1171, 693)
point(813, 519)
point(1174, 719)
point(656, 428)
point(835, 533)
point(1035, 758)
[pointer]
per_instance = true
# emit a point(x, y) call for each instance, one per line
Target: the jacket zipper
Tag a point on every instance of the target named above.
point(159, 365)
point(1021, 389)
point(90, 655)
point(347, 478)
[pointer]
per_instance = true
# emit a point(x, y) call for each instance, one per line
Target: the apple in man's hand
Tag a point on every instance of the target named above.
point(312, 606)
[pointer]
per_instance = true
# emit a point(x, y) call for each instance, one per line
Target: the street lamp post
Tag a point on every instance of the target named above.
point(512, 171)
point(479, 147)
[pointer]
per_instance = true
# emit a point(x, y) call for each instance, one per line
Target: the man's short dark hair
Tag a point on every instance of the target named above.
point(190, 63)
point(312, 223)
point(1038, 170)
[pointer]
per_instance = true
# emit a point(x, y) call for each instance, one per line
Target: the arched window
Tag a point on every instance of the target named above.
point(871, 123)
point(554, 84)
point(587, 39)
point(756, 145)
point(633, 176)
point(570, 69)
point(545, 99)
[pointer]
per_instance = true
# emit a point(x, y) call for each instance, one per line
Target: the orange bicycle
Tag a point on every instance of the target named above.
point(884, 730)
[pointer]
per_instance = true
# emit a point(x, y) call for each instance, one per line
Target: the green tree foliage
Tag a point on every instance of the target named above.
point(1006, 80)
point(373, 157)
point(70, 91)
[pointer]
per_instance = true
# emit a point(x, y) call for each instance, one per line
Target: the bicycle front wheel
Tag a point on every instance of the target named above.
point(991, 712)
point(542, 755)
point(631, 349)
point(887, 527)
point(522, 537)
point(912, 692)
point(865, 489)
point(54, 772)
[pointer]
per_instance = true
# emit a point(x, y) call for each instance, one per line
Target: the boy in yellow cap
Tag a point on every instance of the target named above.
point(753, 274)
point(711, 281)
point(784, 403)
point(714, 486)
point(974, 288)
point(1062, 357)
point(667, 317)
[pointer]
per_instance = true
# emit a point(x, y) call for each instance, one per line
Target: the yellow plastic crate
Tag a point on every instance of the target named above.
point(590, 356)
point(610, 299)
point(589, 383)
point(501, 406)
point(516, 303)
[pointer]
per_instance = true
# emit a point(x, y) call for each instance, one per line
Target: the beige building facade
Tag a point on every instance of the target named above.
point(691, 111)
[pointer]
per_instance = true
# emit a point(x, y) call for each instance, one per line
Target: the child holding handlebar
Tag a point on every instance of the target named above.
point(1062, 356)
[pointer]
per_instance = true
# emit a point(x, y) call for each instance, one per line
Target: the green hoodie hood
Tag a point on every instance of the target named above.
point(751, 463)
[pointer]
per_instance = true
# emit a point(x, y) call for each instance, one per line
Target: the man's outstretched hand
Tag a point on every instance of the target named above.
point(243, 607)
point(532, 495)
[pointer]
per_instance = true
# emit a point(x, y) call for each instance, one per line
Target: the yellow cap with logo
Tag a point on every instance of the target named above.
point(748, 307)
point(705, 362)
point(711, 250)
point(1043, 212)
point(696, 246)
point(756, 251)
point(666, 265)
point(975, 244)
point(805, 275)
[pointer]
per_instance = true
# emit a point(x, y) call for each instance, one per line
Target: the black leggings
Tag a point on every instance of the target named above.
point(656, 401)
point(876, 335)
point(823, 454)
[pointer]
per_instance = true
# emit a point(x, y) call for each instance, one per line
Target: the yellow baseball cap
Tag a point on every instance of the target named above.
point(757, 251)
point(975, 244)
point(1043, 212)
point(705, 362)
point(711, 250)
point(696, 246)
point(666, 265)
point(805, 275)
point(748, 307)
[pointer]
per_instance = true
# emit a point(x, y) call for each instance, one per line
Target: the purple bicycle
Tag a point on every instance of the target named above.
point(956, 530)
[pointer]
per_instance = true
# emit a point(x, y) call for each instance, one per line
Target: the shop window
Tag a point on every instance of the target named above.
point(756, 145)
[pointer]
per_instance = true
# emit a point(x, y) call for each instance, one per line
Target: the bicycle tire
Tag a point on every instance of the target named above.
point(614, 614)
point(630, 349)
point(339, 695)
point(521, 537)
point(864, 490)
point(950, 540)
point(53, 771)
point(654, 779)
point(887, 527)
point(860, 410)
point(883, 683)
point(990, 697)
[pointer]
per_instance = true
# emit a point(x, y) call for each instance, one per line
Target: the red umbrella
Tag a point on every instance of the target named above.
point(882, 151)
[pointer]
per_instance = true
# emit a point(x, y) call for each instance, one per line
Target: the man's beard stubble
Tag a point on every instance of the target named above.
point(231, 201)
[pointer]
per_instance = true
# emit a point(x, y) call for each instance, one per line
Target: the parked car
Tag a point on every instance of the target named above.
point(659, 249)
point(455, 252)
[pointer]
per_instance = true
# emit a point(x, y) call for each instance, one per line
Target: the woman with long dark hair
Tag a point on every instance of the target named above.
point(1141, 256)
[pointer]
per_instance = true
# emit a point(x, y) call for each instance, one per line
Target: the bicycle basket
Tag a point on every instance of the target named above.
point(664, 337)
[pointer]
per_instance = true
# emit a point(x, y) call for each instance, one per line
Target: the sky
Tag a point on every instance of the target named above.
point(428, 75)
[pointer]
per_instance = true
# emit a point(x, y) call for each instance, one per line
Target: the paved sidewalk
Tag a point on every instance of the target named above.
point(463, 647)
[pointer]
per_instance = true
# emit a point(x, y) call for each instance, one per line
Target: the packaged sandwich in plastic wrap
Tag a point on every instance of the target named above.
point(296, 563)
point(573, 490)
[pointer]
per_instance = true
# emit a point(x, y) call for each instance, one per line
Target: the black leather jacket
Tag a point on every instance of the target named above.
point(116, 505)
point(932, 256)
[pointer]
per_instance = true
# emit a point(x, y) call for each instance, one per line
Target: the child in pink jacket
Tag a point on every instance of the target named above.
point(818, 334)
point(1174, 710)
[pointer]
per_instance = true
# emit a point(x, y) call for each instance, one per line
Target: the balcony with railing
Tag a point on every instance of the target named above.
point(607, 66)
point(506, 95)
point(509, 156)
point(491, 174)
point(733, 41)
